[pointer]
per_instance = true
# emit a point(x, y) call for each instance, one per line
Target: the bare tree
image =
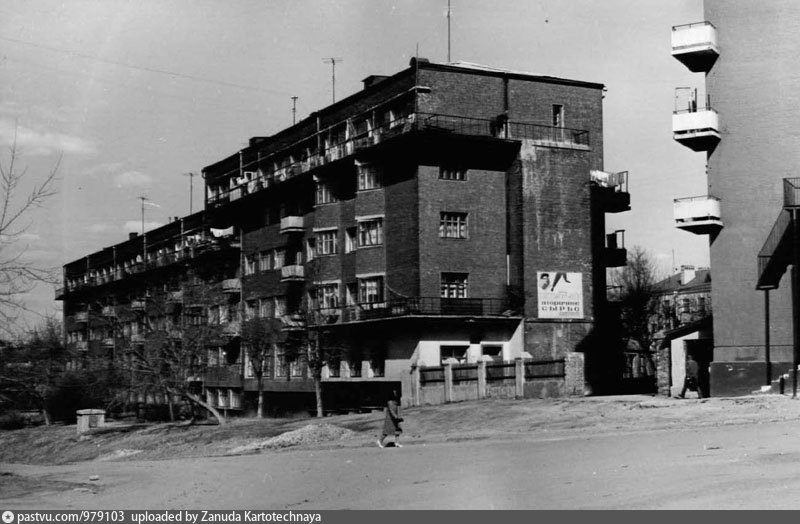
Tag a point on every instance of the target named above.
point(260, 336)
point(636, 291)
point(16, 276)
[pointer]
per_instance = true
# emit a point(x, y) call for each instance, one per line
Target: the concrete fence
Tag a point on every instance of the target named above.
point(521, 378)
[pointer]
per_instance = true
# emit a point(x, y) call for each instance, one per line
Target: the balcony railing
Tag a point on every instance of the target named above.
point(292, 224)
point(415, 306)
point(699, 215)
point(292, 272)
point(406, 124)
point(771, 261)
point(695, 45)
point(695, 126)
point(81, 316)
point(231, 285)
point(139, 305)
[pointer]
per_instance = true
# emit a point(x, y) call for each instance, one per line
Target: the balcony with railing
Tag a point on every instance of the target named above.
point(614, 253)
point(612, 190)
point(694, 125)
point(232, 285)
point(416, 306)
point(291, 224)
point(281, 166)
point(695, 45)
point(699, 215)
point(139, 304)
point(292, 272)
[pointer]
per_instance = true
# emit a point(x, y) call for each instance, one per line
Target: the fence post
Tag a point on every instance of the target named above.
point(415, 385)
point(519, 377)
point(448, 382)
point(481, 379)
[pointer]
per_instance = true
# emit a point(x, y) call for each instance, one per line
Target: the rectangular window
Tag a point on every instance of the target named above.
point(350, 240)
point(280, 365)
point(452, 173)
point(310, 247)
point(368, 177)
point(265, 261)
point(326, 243)
point(324, 195)
point(370, 290)
point(370, 232)
point(279, 258)
point(250, 264)
point(266, 308)
point(558, 115)
point(455, 285)
point(280, 307)
point(457, 352)
point(328, 296)
point(452, 225)
point(251, 309)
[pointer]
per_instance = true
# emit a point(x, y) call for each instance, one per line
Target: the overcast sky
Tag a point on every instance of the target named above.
point(137, 93)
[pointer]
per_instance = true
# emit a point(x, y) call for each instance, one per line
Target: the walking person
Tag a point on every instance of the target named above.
point(391, 424)
point(691, 381)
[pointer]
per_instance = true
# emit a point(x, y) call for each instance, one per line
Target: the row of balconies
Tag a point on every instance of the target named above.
point(155, 261)
point(284, 167)
point(696, 125)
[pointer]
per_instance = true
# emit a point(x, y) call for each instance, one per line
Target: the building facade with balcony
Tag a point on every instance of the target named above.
point(447, 212)
point(746, 53)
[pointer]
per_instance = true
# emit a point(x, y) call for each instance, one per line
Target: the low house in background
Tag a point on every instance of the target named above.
point(682, 327)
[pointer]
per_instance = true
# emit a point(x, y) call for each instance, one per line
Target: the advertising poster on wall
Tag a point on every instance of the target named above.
point(560, 294)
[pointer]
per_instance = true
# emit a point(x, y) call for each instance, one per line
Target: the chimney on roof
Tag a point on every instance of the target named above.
point(131, 236)
point(372, 80)
point(687, 274)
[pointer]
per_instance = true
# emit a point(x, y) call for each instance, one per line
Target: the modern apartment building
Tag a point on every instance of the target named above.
point(744, 125)
point(447, 213)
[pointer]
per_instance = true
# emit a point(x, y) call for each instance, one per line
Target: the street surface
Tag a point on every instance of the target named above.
point(729, 466)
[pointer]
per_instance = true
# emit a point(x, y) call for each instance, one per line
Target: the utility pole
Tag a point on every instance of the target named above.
point(294, 110)
point(191, 187)
point(332, 61)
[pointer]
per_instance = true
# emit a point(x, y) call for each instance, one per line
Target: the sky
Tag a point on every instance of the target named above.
point(135, 95)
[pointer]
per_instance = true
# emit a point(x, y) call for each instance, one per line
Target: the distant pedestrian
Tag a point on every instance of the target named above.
point(691, 381)
point(391, 424)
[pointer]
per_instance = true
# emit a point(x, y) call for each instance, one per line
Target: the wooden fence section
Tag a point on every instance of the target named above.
point(516, 379)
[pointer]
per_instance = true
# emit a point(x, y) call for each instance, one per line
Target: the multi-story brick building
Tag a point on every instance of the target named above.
point(444, 212)
point(744, 125)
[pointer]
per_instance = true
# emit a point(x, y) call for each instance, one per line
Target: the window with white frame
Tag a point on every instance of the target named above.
point(370, 290)
point(350, 241)
point(328, 296)
point(326, 243)
point(455, 285)
point(452, 173)
point(279, 258)
point(453, 225)
point(368, 177)
point(370, 232)
point(324, 195)
point(250, 264)
point(265, 260)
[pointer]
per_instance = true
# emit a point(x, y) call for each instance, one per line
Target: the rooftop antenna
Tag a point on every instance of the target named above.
point(294, 110)
point(146, 200)
point(448, 31)
point(191, 188)
point(332, 61)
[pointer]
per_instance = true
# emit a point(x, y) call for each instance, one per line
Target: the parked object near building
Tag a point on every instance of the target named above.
point(748, 54)
point(407, 225)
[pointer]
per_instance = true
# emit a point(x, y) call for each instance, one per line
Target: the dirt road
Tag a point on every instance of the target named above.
point(730, 466)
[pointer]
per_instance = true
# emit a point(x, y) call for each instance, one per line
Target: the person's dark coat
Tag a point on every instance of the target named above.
point(391, 424)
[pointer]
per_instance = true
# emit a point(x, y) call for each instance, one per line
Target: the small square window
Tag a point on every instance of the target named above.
point(370, 290)
point(326, 243)
point(370, 232)
point(324, 194)
point(453, 225)
point(455, 285)
point(368, 177)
